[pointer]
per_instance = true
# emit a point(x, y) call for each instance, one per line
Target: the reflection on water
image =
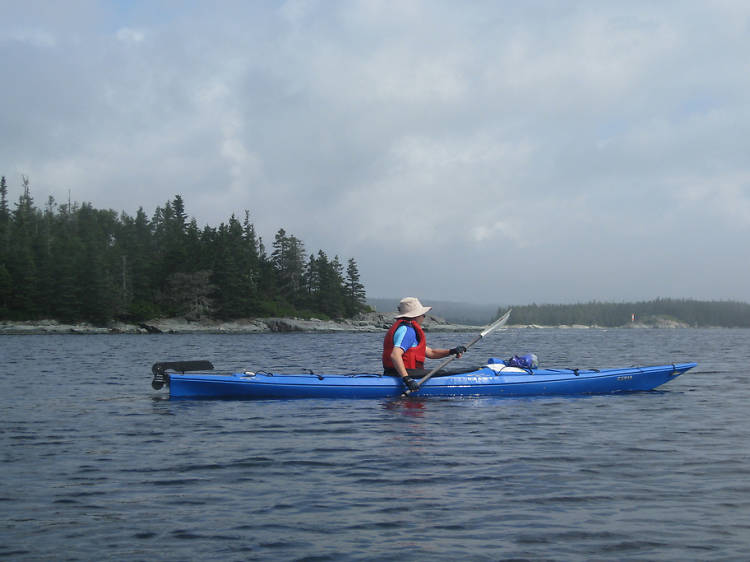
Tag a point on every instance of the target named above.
point(408, 406)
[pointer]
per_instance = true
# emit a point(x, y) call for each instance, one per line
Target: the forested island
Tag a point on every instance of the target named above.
point(658, 312)
point(74, 263)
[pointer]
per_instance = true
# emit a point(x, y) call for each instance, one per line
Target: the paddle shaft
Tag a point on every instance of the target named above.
point(496, 324)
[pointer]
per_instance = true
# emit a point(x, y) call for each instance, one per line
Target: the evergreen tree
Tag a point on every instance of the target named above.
point(329, 297)
point(4, 213)
point(189, 294)
point(45, 259)
point(288, 261)
point(97, 288)
point(6, 289)
point(67, 249)
point(139, 267)
point(6, 282)
point(250, 267)
point(198, 258)
point(227, 272)
point(20, 262)
point(4, 221)
point(311, 282)
point(176, 256)
point(170, 229)
point(355, 290)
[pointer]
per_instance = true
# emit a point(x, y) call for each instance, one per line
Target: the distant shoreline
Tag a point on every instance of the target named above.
point(366, 322)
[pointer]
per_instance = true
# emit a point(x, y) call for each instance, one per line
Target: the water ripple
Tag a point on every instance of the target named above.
point(97, 465)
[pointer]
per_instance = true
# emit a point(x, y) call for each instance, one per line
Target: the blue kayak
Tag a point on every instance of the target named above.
point(489, 380)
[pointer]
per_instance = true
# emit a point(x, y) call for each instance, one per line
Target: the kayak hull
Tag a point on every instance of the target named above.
point(482, 382)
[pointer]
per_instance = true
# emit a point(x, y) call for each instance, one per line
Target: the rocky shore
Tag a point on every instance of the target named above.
point(366, 322)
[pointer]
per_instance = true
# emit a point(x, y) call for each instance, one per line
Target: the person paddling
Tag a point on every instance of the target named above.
point(405, 346)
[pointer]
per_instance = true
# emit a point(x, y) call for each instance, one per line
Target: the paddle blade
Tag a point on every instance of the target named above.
point(497, 323)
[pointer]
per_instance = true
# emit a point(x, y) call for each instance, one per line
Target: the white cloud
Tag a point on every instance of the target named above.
point(130, 35)
point(30, 36)
point(547, 136)
point(723, 200)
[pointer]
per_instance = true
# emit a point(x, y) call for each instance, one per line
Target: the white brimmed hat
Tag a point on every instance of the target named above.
point(410, 307)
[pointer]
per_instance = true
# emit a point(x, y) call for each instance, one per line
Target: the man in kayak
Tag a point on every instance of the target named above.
point(405, 347)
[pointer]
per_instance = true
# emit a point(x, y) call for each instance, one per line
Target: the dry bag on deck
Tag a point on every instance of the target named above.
point(528, 361)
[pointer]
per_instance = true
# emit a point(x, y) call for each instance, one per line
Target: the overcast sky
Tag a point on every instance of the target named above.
point(489, 152)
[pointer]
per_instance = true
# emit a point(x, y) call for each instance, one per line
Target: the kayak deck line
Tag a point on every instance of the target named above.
point(489, 380)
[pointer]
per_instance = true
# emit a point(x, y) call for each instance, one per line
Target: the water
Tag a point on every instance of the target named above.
point(97, 465)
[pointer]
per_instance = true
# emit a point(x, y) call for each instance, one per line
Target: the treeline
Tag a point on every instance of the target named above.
point(74, 263)
point(690, 312)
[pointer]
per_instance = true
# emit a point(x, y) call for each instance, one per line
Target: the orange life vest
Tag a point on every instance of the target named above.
point(413, 357)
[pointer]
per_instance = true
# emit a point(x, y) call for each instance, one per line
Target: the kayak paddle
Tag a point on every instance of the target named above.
point(496, 324)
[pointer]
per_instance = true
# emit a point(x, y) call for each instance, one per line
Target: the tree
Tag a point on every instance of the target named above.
point(67, 249)
point(21, 264)
point(97, 262)
point(355, 290)
point(4, 220)
point(6, 289)
point(139, 271)
point(45, 259)
point(288, 261)
point(311, 281)
point(170, 229)
point(330, 294)
point(4, 214)
point(189, 294)
point(231, 299)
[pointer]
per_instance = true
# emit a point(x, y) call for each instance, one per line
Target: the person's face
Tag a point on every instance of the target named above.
point(419, 319)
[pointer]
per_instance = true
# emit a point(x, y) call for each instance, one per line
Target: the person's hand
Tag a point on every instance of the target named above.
point(410, 383)
point(458, 351)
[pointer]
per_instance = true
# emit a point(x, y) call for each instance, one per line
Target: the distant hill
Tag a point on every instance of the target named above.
point(658, 312)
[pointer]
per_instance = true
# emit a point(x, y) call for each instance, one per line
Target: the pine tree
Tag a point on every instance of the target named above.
point(355, 290)
point(141, 272)
point(230, 299)
point(21, 263)
point(4, 214)
point(288, 261)
point(189, 294)
point(329, 297)
point(46, 259)
point(4, 221)
point(98, 289)
point(67, 249)
point(311, 282)
point(250, 267)
point(6, 289)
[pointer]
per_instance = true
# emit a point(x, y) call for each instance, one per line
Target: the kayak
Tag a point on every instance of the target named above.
point(188, 380)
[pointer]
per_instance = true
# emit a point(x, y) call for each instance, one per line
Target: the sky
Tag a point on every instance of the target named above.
point(483, 151)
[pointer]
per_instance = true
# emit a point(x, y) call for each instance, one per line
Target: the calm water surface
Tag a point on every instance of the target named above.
point(97, 465)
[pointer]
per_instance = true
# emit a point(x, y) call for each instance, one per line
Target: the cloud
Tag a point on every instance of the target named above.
point(34, 37)
point(577, 143)
point(130, 35)
point(725, 200)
